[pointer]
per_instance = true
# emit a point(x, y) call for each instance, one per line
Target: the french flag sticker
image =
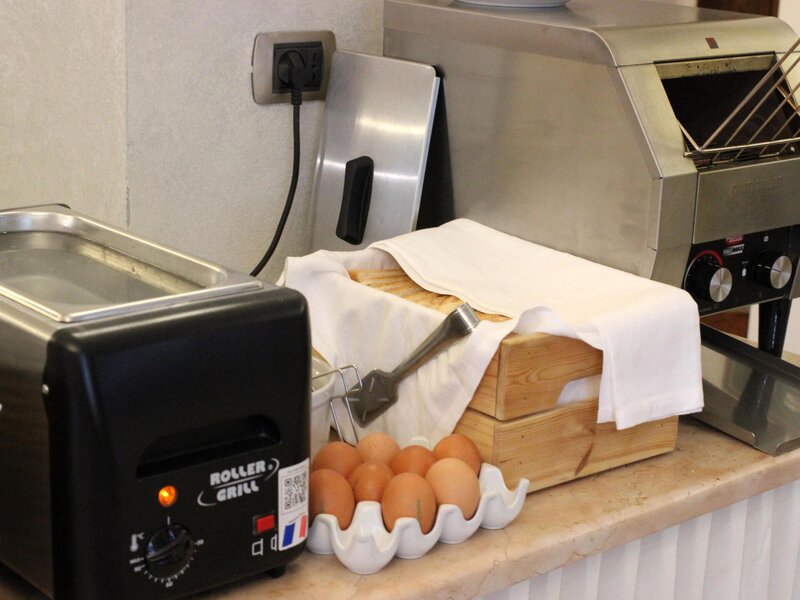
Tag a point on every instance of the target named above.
point(293, 533)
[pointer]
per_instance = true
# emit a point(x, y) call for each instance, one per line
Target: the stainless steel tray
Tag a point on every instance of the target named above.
point(750, 394)
point(70, 268)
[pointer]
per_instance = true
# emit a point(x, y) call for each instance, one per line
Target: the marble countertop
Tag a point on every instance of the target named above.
point(557, 526)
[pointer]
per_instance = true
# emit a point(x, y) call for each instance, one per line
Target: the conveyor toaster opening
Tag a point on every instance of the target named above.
point(734, 109)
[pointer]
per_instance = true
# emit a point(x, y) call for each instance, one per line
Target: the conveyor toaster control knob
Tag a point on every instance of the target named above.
point(169, 551)
point(773, 270)
point(711, 281)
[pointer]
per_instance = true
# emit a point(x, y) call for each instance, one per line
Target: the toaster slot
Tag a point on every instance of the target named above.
point(204, 444)
point(738, 108)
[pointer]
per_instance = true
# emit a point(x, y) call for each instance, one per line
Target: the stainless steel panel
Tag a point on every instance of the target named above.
point(672, 203)
point(68, 267)
point(661, 132)
point(675, 213)
point(548, 146)
point(543, 148)
point(381, 108)
point(746, 199)
point(612, 32)
point(676, 39)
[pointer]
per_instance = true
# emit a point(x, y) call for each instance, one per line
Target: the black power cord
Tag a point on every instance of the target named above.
point(292, 71)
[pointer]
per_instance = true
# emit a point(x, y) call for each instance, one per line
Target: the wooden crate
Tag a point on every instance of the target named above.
point(513, 417)
point(563, 443)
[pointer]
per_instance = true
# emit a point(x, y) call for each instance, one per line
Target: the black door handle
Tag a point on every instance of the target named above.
point(355, 199)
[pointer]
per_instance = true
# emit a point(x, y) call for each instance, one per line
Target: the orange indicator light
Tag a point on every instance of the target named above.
point(167, 496)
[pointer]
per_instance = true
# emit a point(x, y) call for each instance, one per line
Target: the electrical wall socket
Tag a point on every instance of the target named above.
point(265, 90)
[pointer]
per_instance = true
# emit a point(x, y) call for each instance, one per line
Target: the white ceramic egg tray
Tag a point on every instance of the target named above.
point(366, 547)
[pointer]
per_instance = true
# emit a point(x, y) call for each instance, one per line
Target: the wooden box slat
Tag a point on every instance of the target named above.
point(563, 443)
point(530, 371)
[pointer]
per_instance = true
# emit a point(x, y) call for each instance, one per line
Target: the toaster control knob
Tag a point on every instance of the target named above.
point(711, 281)
point(169, 551)
point(773, 270)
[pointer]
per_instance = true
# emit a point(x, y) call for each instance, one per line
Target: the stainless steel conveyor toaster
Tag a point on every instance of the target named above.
point(153, 414)
point(658, 139)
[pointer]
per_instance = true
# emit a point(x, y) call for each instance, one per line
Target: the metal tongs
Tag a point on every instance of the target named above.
point(378, 389)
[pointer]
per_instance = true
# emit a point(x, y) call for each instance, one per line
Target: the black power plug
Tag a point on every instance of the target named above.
point(292, 72)
point(292, 69)
point(299, 66)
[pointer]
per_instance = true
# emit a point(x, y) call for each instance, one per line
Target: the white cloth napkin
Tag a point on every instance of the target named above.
point(649, 332)
point(352, 324)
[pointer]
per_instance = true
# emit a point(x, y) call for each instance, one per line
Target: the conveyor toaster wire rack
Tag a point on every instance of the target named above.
point(765, 123)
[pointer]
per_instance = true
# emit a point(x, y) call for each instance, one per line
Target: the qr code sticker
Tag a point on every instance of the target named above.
point(295, 491)
point(293, 505)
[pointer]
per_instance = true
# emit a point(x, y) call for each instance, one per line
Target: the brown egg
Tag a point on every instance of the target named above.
point(409, 495)
point(338, 456)
point(413, 459)
point(329, 493)
point(369, 479)
point(454, 482)
point(461, 447)
point(378, 447)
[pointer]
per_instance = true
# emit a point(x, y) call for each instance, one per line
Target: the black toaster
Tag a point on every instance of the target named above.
point(153, 414)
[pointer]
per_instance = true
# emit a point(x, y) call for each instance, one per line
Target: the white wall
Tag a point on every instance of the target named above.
point(789, 11)
point(140, 112)
point(62, 105)
point(208, 169)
